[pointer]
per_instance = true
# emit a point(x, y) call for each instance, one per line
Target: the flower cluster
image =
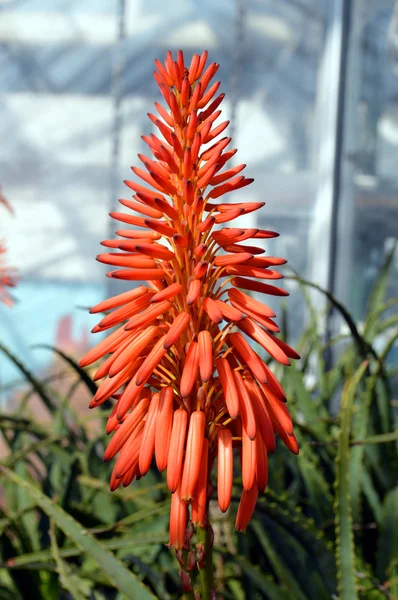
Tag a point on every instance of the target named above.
point(187, 384)
point(7, 275)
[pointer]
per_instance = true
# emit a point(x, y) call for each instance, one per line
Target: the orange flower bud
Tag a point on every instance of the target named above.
point(190, 371)
point(148, 436)
point(126, 429)
point(199, 500)
point(225, 469)
point(245, 407)
point(249, 458)
point(178, 520)
point(163, 427)
point(176, 448)
point(246, 508)
point(261, 464)
point(193, 454)
point(229, 387)
point(205, 351)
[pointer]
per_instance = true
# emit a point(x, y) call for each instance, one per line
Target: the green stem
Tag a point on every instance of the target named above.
point(188, 595)
point(206, 572)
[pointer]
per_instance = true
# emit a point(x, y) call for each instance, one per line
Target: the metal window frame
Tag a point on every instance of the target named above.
point(323, 237)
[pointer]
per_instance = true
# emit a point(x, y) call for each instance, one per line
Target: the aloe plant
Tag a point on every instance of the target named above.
point(325, 528)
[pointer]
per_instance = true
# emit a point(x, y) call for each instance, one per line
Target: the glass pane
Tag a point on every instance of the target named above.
point(63, 73)
point(369, 200)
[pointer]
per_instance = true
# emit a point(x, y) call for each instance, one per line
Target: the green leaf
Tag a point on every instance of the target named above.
point(64, 572)
point(387, 564)
point(359, 430)
point(125, 494)
point(89, 383)
point(382, 438)
point(7, 594)
point(236, 588)
point(264, 583)
point(379, 290)
point(316, 343)
point(117, 543)
point(136, 517)
point(321, 502)
point(386, 325)
point(125, 581)
point(365, 348)
point(24, 583)
point(306, 404)
point(361, 343)
point(343, 518)
point(29, 449)
point(37, 386)
point(20, 424)
point(371, 495)
point(21, 511)
point(301, 529)
point(280, 568)
point(377, 312)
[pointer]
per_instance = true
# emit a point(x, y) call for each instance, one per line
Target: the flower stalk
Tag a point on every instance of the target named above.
point(205, 563)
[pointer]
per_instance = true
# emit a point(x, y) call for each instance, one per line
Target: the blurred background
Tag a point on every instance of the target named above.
point(312, 94)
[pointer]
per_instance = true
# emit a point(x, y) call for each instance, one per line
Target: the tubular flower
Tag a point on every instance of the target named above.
point(187, 384)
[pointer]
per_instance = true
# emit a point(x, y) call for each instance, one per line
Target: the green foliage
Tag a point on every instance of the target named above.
point(326, 528)
point(345, 551)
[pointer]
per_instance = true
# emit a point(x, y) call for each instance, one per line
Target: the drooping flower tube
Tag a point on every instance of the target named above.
point(181, 367)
